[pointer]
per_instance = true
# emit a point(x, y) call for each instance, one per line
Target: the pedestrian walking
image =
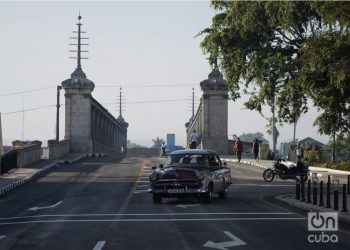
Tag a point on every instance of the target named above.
point(239, 148)
point(163, 149)
point(256, 149)
point(194, 139)
point(122, 150)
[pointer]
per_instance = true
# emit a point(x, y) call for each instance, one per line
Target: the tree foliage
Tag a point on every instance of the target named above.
point(283, 53)
point(157, 143)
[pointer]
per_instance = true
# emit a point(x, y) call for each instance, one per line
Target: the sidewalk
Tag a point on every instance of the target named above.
point(337, 178)
point(268, 164)
point(20, 176)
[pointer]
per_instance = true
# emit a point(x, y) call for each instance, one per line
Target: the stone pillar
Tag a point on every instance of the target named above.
point(214, 121)
point(78, 112)
point(1, 142)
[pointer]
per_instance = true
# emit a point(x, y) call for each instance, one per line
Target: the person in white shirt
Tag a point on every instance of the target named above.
point(194, 139)
point(299, 152)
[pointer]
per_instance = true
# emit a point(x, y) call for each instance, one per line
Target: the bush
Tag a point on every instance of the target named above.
point(339, 166)
point(312, 157)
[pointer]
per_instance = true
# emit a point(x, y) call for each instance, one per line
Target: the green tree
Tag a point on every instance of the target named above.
point(157, 143)
point(288, 52)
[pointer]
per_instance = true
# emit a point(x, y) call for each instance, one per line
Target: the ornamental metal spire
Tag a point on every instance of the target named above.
point(78, 71)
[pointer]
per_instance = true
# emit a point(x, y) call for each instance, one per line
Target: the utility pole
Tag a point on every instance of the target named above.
point(58, 114)
point(1, 142)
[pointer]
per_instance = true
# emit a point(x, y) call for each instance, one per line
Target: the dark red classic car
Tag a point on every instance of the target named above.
point(193, 173)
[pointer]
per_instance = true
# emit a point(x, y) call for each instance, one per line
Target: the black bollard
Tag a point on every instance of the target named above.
point(302, 187)
point(345, 209)
point(309, 191)
point(348, 184)
point(297, 190)
point(314, 195)
point(328, 201)
point(321, 194)
point(336, 199)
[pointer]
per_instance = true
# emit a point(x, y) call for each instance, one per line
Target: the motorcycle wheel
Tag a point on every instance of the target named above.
point(268, 175)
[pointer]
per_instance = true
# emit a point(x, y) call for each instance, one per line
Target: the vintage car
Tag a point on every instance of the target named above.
point(190, 173)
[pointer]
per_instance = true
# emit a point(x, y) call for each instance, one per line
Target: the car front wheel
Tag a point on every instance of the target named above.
point(207, 196)
point(157, 198)
point(224, 193)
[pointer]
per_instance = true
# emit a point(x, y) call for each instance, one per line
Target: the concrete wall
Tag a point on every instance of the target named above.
point(28, 154)
point(57, 150)
point(143, 152)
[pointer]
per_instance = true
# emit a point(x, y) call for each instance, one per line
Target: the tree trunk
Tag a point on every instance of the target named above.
point(333, 150)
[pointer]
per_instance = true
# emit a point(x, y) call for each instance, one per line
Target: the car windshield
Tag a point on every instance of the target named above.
point(187, 160)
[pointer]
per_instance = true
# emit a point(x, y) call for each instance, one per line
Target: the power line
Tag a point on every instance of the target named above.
point(104, 86)
point(110, 103)
point(24, 110)
point(27, 91)
point(154, 101)
point(145, 85)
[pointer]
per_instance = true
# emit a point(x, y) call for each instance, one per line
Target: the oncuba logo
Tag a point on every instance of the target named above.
point(325, 222)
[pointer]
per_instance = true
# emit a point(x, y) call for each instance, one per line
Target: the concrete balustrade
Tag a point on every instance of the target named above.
point(58, 149)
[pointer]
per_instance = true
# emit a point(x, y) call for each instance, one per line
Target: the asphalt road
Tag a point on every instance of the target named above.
point(100, 203)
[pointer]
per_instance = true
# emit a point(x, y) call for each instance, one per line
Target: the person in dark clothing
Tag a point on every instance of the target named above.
point(256, 149)
point(239, 149)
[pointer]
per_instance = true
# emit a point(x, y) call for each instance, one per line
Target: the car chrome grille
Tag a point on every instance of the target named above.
point(178, 184)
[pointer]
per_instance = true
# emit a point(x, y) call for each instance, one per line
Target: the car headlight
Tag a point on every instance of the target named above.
point(200, 175)
point(153, 177)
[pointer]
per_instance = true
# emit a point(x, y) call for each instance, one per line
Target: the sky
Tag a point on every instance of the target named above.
point(149, 49)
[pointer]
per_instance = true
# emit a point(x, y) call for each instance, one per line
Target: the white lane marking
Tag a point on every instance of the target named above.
point(188, 205)
point(153, 220)
point(142, 186)
point(235, 241)
point(2, 236)
point(39, 208)
point(99, 245)
point(152, 214)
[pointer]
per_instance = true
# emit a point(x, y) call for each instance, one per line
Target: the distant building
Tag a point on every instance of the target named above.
point(170, 142)
point(307, 142)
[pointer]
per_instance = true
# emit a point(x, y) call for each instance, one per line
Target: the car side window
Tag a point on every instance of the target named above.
point(213, 161)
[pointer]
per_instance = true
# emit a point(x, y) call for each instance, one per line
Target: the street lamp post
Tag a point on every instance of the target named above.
point(58, 114)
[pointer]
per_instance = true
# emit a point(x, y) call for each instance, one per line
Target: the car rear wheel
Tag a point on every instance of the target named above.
point(157, 198)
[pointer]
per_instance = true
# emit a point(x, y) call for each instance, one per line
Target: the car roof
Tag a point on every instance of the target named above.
point(193, 152)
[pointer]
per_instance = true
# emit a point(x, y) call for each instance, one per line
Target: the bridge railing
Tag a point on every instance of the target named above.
point(108, 134)
point(195, 123)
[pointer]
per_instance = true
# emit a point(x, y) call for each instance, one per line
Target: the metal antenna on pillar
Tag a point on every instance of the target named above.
point(79, 44)
point(192, 103)
point(120, 102)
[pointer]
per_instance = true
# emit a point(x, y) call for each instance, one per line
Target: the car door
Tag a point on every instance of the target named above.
point(221, 174)
point(216, 167)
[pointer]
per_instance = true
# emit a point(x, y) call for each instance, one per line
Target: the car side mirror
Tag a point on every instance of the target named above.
point(161, 166)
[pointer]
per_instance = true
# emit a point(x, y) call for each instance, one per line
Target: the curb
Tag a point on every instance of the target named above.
point(92, 155)
point(310, 208)
point(30, 177)
point(256, 164)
